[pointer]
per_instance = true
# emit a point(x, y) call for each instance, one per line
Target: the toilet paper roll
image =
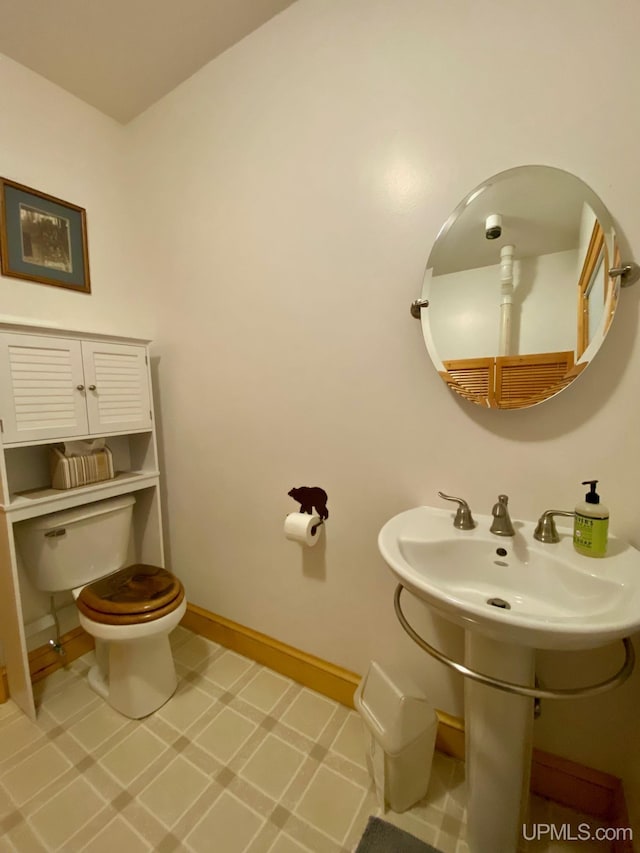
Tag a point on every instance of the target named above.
point(303, 528)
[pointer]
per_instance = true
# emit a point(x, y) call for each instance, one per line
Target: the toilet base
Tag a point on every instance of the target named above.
point(98, 683)
point(139, 676)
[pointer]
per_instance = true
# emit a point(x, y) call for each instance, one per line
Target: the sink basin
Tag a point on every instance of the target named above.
point(544, 596)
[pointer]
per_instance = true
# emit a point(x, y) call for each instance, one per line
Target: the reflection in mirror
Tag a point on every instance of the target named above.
point(520, 297)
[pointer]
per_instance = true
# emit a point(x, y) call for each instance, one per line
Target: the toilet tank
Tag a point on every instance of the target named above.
point(74, 547)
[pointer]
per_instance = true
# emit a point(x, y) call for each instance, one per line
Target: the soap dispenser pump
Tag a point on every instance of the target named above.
point(591, 524)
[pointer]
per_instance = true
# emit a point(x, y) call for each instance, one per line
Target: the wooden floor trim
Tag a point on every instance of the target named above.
point(326, 678)
point(4, 685)
point(44, 660)
point(582, 788)
point(589, 791)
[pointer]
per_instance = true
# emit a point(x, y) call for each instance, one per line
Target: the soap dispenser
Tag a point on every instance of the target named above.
point(591, 524)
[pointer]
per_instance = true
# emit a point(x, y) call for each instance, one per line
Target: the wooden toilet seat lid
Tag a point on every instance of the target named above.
point(130, 618)
point(136, 590)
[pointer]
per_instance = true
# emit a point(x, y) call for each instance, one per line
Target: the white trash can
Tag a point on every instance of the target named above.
point(400, 734)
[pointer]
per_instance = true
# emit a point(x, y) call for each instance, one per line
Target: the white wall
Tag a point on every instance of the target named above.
point(288, 196)
point(55, 143)
point(299, 181)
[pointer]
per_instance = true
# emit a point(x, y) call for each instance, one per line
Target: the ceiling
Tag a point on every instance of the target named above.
point(123, 55)
point(541, 209)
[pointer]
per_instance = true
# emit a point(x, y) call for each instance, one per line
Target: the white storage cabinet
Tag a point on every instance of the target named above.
point(58, 385)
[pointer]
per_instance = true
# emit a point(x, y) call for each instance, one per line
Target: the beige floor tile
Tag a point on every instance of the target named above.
point(265, 690)
point(194, 651)
point(330, 803)
point(185, 706)
point(228, 826)
point(180, 635)
point(285, 844)
point(9, 709)
point(65, 813)
point(97, 725)
point(6, 803)
point(36, 771)
point(440, 781)
point(350, 741)
point(225, 734)
point(449, 834)
point(23, 840)
point(17, 733)
point(53, 683)
point(227, 669)
point(456, 803)
point(309, 713)
point(76, 696)
point(117, 837)
point(272, 766)
point(133, 755)
point(174, 790)
point(408, 821)
point(333, 798)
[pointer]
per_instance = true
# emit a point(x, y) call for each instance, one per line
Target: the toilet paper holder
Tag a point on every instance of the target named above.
point(312, 500)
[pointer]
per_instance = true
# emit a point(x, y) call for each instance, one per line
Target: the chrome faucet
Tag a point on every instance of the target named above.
point(501, 524)
point(464, 519)
point(546, 528)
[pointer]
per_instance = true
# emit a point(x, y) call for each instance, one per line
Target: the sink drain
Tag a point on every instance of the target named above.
point(499, 602)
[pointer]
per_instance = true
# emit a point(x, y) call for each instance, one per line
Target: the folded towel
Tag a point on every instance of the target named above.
point(68, 472)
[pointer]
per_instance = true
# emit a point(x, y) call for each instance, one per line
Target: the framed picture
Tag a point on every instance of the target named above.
point(43, 238)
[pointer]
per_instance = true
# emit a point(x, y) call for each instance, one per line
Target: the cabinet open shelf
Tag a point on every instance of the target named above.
point(33, 502)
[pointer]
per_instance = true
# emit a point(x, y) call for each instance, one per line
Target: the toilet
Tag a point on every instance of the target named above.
point(128, 609)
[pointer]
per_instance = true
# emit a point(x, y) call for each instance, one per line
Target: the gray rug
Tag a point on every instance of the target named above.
point(382, 837)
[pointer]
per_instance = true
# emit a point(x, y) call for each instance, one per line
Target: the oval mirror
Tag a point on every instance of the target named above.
point(518, 287)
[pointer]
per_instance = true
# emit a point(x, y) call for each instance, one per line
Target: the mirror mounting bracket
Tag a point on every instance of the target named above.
point(417, 305)
point(629, 274)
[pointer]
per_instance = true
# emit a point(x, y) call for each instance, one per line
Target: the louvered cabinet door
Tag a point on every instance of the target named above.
point(117, 383)
point(41, 388)
point(526, 379)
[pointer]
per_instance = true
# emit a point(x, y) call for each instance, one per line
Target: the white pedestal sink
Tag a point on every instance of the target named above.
point(498, 740)
point(548, 596)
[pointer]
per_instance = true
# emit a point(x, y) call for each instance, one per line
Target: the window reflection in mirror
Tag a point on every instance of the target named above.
point(517, 312)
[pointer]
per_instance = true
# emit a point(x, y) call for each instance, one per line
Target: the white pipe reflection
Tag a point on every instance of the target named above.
point(506, 299)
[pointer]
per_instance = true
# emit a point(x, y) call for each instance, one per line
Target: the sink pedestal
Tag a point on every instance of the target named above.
point(498, 742)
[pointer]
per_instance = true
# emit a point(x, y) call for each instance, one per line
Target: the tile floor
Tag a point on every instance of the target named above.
point(240, 760)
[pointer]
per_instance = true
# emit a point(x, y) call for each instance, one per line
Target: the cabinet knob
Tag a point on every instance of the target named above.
point(92, 387)
point(80, 387)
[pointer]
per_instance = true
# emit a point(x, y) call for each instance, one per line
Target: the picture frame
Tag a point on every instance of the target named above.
point(43, 238)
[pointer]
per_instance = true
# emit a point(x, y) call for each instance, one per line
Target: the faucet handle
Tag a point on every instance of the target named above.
point(546, 528)
point(464, 519)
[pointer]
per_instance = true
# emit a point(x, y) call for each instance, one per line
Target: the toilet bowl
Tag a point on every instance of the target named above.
point(130, 614)
point(129, 610)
